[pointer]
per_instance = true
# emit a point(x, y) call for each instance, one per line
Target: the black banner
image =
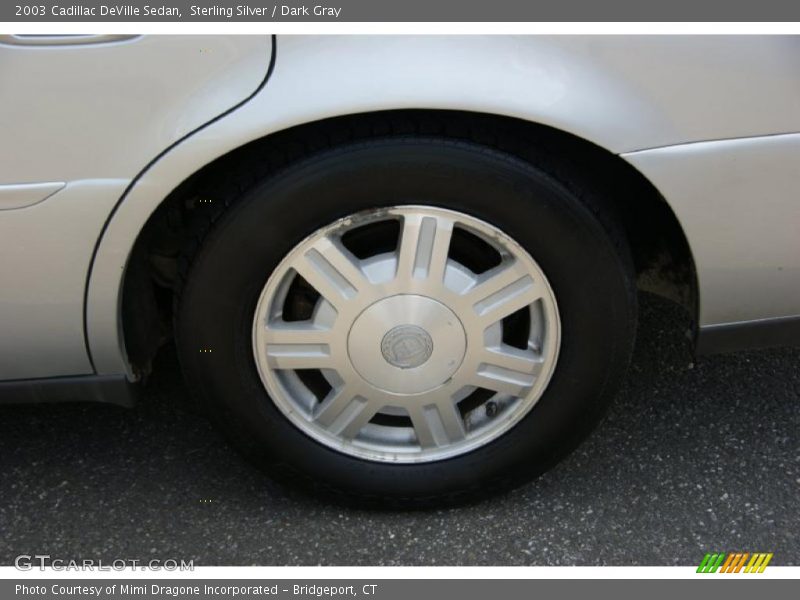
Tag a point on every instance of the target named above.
point(401, 11)
point(388, 589)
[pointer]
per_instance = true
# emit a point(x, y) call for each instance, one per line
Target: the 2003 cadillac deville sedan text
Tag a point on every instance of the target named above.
point(395, 268)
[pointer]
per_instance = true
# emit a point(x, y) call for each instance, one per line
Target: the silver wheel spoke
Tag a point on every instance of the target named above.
point(505, 381)
point(298, 348)
point(300, 334)
point(357, 419)
point(508, 370)
point(338, 409)
point(513, 359)
point(503, 293)
point(330, 270)
point(438, 424)
point(299, 356)
point(424, 246)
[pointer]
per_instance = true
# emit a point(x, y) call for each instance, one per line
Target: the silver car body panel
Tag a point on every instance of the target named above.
point(99, 111)
point(90, 118)
point(46, 249)
point(21, 195)
point(738, 202)
point(628, 94)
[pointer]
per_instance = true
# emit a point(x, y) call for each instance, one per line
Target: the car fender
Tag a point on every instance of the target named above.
point(622, 93)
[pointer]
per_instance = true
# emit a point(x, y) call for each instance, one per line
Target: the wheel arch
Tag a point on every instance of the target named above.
point(133, 274)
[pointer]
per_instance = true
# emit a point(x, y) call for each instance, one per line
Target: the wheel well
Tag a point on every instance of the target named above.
point(661, 254)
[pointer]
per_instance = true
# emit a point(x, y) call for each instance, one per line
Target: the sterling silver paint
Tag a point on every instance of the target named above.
point(625, 93)
point(87, 118)
point(738, 202)
point(45, 251)
point(104, 111)
point(21, 195)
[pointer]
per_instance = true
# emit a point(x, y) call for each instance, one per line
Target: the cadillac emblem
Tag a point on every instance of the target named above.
point(406, 346)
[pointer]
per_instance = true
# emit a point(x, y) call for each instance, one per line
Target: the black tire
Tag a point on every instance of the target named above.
point(567, 232)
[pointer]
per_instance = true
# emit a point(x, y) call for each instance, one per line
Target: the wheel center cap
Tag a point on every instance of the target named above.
point(406, 346)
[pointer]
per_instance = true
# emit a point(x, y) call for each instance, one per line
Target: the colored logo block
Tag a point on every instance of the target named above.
point(735, 562)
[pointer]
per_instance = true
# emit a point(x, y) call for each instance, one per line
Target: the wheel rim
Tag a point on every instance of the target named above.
point(409, 334)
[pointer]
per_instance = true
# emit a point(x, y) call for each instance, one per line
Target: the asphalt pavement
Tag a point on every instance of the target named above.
point(694, 456)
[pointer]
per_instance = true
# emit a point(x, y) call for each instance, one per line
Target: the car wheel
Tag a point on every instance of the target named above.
point(407, 320)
